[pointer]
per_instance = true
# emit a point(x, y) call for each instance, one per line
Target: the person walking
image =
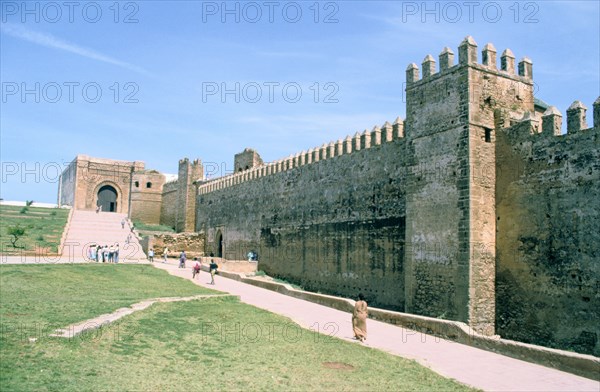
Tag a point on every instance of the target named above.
point(123, 223)
point(151, 255)
point(165, 254)
point(213, 270)
point(196, 270)
point(359, 318)
point(182, 258)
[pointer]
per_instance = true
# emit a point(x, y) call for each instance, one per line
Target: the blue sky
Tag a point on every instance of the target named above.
point(142, 80)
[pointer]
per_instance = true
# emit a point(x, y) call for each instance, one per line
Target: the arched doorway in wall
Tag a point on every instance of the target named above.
point(107, 198)
point(219, 244)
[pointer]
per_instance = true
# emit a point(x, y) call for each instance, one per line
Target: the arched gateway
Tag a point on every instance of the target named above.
point(107, 198)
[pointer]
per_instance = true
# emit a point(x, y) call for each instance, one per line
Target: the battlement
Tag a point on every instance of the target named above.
point(550, 122)
point(387, 133)
point(467, 56)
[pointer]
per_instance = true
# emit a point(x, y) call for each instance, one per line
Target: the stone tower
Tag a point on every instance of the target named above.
point(452, 117)
point(247, 159)
point(189, 172)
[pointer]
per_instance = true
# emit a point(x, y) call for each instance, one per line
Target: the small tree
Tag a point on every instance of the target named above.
point(17, 232)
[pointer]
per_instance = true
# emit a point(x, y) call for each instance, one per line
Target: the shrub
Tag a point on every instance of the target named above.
point(17, 232)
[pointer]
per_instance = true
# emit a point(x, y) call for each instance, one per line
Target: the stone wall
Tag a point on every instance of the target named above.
point(424, 216)
point(146, 196)
point(331, 219)
point(91, 174)
point(66, 185)
point(192, 243)
point(168, 208)
point(451, 115)
point(246, 159)
point(548, 241)
point(185, 213)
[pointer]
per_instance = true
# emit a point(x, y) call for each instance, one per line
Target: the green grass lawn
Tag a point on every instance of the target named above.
point(145, 228)
point(211, 344)
point(43, 227)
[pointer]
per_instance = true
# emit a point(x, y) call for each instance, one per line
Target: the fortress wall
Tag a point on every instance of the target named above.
point(93, 173)
point(66, 192)
point(335, 225)
point(494, 92)
point(168, 209)
point(548, 237)
point(189, 172)
point(437, 204)
point(451, 115)
point(146, 196)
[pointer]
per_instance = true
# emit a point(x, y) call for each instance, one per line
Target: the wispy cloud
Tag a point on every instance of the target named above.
point(50, 41)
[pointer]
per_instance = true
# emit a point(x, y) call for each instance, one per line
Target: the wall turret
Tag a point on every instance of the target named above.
point(376, 135)
point(398, 128)
point(507, 61)
point(552, 122)
point(428, 66)
point(576, 117)
point(526, 68)
point(412, 73)
point(488, 55)
point(446, 59)
point(467, 51)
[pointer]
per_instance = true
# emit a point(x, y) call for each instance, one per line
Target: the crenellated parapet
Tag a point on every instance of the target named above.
point(467, 56)
point(378, 136)
point(551, 121)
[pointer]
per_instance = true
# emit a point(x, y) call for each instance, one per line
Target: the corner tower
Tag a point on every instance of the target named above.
point(452, 116)
point(189, 172)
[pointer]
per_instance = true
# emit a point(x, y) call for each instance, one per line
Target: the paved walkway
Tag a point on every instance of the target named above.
point(469, 365)
point(46, 259)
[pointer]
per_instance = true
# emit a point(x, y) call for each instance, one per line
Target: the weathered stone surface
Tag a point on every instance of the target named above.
point(245, 160)
point(548, 217)
point(414, 220)
point(192, 243)
point(81, 181)
point(475, 208)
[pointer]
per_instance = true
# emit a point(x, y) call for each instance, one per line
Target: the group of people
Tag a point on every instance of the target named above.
point(104, 254)
point(359, 314)
point(165, 254)
point(212, 268)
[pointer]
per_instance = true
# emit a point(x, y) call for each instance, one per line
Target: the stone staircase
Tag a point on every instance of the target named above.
point(88, 228)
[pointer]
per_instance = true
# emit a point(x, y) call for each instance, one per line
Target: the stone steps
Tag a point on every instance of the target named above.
point(88, 228)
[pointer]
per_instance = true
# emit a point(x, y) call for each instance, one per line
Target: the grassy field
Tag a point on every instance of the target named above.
point(211, 344)
point(43, 228)
point(145, 228)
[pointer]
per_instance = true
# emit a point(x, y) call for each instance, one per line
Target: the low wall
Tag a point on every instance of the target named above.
point(63, 238)
point(192, 243)
point(241, 266)
point(583, 365)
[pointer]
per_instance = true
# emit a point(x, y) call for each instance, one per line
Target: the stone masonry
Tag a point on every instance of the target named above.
point(474, 208)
